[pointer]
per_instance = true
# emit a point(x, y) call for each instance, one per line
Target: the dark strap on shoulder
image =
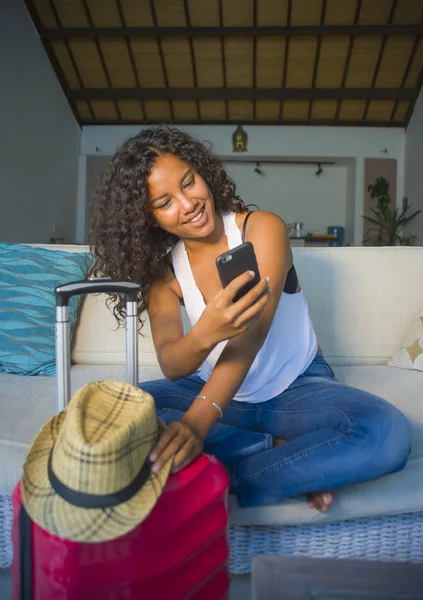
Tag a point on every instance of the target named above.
point(291, 278)
point(25, 555)
point(291, 281)
point(244, 226)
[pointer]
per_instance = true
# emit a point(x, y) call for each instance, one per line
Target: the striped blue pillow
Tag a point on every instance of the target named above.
point(28, 276)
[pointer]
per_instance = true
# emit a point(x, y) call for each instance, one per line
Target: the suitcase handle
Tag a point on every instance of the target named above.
point(95, 285)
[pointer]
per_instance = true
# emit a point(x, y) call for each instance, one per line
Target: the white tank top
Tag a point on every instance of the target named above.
point(290, 345)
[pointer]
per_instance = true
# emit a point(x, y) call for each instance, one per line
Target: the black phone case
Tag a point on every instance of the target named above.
point(236, 261)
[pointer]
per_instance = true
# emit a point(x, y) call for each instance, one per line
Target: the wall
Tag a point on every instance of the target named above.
point(95, 167)
point(292, 191)
point(350, 202)
point(413, 187)
point(347, 145)
point(295, 192)
point(39, 162)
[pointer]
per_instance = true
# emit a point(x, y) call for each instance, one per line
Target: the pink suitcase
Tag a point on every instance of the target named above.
point(179, 552)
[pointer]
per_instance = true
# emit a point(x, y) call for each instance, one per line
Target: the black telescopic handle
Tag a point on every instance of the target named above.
point(96, 285)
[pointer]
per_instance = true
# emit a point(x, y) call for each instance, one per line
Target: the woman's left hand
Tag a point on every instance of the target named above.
point(180, 440)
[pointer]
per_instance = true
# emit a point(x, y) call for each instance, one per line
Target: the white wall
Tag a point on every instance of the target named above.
point(413, 187)
point(350, 200)
point(295, 192)
point(347, 144)
point(40, 136)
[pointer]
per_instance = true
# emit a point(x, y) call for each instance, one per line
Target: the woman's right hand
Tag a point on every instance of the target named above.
point(224, 319)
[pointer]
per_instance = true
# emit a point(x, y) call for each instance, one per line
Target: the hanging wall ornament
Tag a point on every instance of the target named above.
point(239, 140)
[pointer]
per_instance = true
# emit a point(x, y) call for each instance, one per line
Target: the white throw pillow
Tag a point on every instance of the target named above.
point(411, 354)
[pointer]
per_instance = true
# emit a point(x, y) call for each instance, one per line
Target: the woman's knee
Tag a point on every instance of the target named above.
point(155, 386)
point(399, 441)
point(391, 439)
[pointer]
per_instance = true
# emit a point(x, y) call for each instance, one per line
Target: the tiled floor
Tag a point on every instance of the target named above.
point(240, 589)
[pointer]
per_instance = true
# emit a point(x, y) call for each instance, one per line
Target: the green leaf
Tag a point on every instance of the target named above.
point(388, 221)
point(405, 220)
point(375, 221)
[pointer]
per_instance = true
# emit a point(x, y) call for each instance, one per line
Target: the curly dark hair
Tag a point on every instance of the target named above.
point(123, 240)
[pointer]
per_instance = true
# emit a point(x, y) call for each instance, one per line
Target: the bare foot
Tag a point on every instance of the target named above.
point(321, 501)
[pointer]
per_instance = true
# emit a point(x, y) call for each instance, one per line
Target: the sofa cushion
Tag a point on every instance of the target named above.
point(26, 403)
point(99, 341)
point(361, 299)
point(392, 494)
point(28, 277)
point(410, 356)
point(360, 303)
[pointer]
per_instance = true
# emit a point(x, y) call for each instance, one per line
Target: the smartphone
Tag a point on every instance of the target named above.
point(236, 261)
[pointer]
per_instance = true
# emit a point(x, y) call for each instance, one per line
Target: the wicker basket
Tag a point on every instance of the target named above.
point(394, 538)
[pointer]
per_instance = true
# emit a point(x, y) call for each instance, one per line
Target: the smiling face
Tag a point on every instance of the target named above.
point(180, 200)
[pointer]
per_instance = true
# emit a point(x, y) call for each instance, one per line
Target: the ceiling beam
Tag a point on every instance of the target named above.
point(349, 54)
point(286, 56)
point(380, 57)
point(161, 54)
point(100, 54)
point(88, 32)
point(131, 56)
point(235, 122)
point(243, 94)
point(317, 57)
point(410, 110)
point(53, 58)
point(192, 55)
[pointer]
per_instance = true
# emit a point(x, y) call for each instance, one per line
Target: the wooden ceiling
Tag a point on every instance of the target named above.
point(317, 62)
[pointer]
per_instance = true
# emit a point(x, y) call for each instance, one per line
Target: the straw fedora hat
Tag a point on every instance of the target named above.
point(87, 475)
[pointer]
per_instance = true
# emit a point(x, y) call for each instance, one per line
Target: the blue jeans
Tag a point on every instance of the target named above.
point(336, 435)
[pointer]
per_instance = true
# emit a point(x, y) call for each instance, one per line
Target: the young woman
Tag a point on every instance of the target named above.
point(247, 382)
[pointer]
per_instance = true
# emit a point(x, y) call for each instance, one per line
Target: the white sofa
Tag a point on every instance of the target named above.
point(362, 300)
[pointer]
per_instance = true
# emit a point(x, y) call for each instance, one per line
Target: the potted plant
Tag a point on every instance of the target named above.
point(388, 222)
